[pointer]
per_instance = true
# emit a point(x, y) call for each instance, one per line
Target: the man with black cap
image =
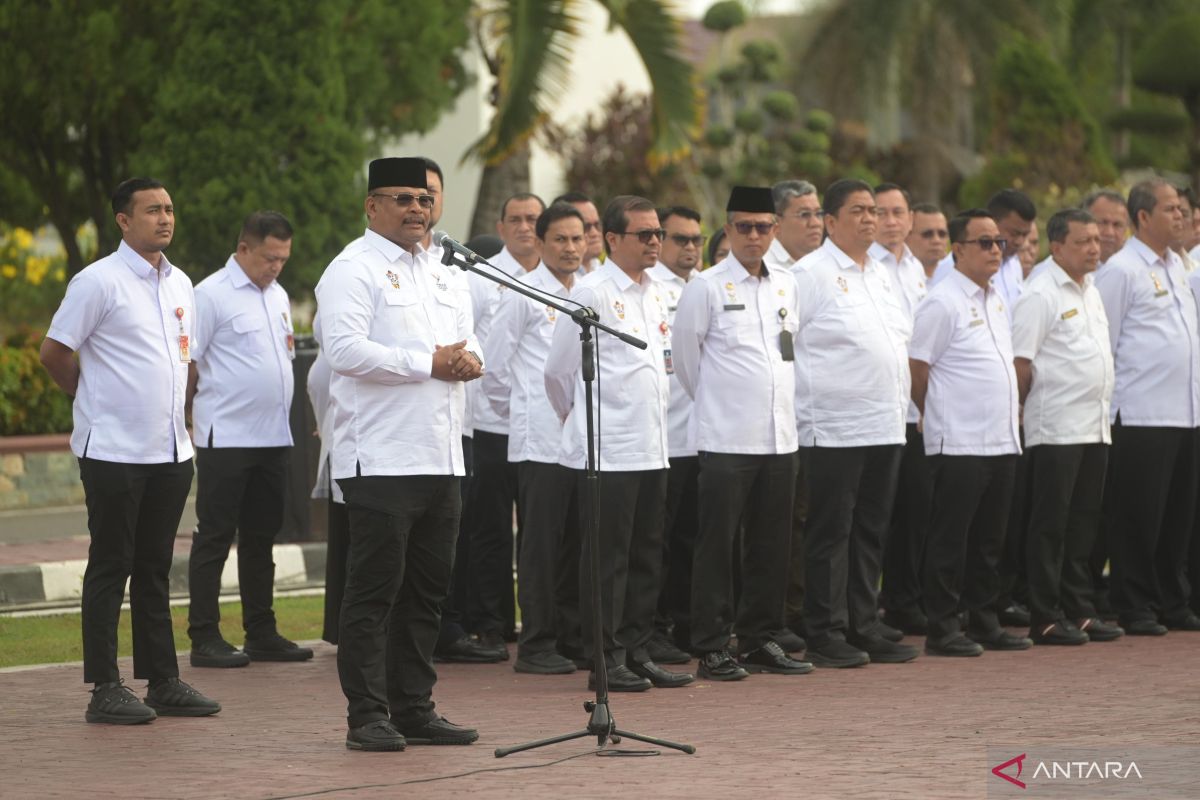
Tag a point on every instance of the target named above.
point(733, 348)
point(396, 328)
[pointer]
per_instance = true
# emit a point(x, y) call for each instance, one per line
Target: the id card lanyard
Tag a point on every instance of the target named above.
point(185, 355)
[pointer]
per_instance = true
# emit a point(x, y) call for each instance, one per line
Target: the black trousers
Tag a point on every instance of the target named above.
point(794, 601)
point(972, 496)
point(755, 491)
point(904, 550)
point(337, 546)
point(1154, 493)
point(631, 518)
point(1014, 582)
point(402, 532)
point(1066, 487)
point(548, 569)
point(675, 598)
point(133, 516)
point(488, 526)
point(239, 493)
point(850, 507)
point(453, 613)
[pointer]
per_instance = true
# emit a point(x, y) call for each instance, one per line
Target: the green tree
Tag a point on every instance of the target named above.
point(527, 45)
point(1167, 62)
point(234, 107)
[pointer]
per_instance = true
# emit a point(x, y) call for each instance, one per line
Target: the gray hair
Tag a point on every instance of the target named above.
point(1142, 197)
point(784, 192)
point(1106, 194)
point(1060, 224)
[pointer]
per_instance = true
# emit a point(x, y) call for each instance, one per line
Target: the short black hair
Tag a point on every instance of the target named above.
point(714, 242)
point(616, 214)
point(122, 196)
point(840, 191)
point(1059, 225)
point(571, 197)
point(926, 208)
point(895, 187)
point(1142, 197)
point(553, 214)
point(958, 225)
point(1187, 193)
point(519, 196)
point(677, 211)
point(261, 224)
point(432, 166)
point(1011, 201)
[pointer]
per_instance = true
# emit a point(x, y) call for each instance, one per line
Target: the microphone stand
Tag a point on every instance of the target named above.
point(601, 724)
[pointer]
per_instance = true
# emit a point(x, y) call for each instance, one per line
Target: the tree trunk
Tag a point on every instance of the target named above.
point(498, 183)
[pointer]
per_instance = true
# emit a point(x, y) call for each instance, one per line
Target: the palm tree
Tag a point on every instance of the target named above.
point(527, 46)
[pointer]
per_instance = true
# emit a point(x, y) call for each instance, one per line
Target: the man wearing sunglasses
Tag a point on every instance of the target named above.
point(964, 383)
point(681, 256)
point(733, 347)
point(929, 240)
point(632, 394)
point(397, 330)
point(800, 227)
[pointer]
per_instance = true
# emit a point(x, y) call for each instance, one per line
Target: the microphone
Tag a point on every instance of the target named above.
point(443, 240)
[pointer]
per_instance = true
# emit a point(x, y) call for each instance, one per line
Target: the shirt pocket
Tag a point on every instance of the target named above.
point(248, 330)
point(738, 327)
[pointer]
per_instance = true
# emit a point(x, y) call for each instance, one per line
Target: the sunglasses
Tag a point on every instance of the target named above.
point(684, 241)
point(986, 243)
point(645, 236)
point(935, 233)
point(588, 227)
point(763, 228)
point(405, 199)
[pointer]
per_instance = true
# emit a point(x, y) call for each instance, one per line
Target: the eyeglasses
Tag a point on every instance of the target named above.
point(645, 236)
point(762, 228)
point(588, 227)
point(684, 241)
point(806, 216)
point(405, 199)
point(986, 243)
point(935, 233)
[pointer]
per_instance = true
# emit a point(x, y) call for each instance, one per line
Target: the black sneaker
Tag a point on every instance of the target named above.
point(837, 654)
point(718, 665)
point(621, 679)
point(467, 650)
point(438, 731)
point(885, 651)
point(217, 653)
point(495, 641)
point(115, 704)
point(275, 648)
point(1100, 631)
point(1186, 622)
point(955, 645)
point(171, 697)
point(789, 641)
point(1014, 616)
point(548, 663)
point(663, 651)
point(771, 658)
point(377, 737)
point(1060, 632)
point(1000, 639)
point(1144, 627)
point(885, 631)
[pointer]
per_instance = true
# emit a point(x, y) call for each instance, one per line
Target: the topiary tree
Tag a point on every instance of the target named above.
point(1168, 62)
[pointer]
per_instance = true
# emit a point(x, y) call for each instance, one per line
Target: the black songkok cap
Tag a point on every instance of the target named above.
point(397, 172)
point(753, 199)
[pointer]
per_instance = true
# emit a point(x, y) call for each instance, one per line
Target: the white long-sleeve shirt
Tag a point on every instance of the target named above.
point(728, 358)
point(485, 298)
point(383, 310)
point(631, 387)
point(910, 282)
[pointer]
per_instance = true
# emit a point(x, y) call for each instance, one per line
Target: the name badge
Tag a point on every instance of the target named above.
point(786, 346)
point(668, 361)
point(975, 323)
point(1068, 314)
point(735, 307)
point(185, 352)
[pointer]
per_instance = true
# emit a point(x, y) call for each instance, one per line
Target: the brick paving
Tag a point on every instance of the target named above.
point(914, 730)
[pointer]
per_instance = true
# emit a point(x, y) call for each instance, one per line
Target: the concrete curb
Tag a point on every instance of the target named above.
point(297, 566)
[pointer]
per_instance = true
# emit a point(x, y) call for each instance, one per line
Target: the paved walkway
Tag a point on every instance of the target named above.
point(919, 730)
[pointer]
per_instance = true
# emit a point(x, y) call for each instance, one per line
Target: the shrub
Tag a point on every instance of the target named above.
point(30, 402)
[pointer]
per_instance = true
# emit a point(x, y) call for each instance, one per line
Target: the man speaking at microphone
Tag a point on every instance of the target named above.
point(396, 328)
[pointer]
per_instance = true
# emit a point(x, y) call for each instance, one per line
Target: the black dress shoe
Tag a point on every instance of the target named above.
point(886, 631)
point(885, 651)
point(275, 648)
point(1100, 631)
point(955, 645)
point(718, 665)
point(466, 650)
point(1144, 627)
point(1060, 632)
point(622, 679)
point(378, 737)
point(1000, 639)
point(837, 654)
point(663, 651)
point(789, 641)
point(1189, 622)
point(171, 697)
point(1015, 615)
point(217, 653)
point(116, 704)
point(661, 678)
point(549, 663)
point(771, 658)
point(437, 731)
point(910, 622)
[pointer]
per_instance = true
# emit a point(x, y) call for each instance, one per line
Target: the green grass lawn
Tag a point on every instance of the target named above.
point(53, 639)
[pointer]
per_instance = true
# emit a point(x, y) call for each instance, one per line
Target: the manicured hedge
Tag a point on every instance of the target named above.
point(30, 402)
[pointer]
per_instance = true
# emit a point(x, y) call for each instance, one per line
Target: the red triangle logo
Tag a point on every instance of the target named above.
point(998, 770)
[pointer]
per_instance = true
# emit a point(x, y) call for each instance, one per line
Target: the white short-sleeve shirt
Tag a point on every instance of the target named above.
point(1061, 327)
point(963, 334)
point(909, 279)
point(125, 319)
point(852, 380)
point(383, 310)
point(485, 297)
point(1152, 327)
point(244, 351)
point(728, 357)
point(679, 412)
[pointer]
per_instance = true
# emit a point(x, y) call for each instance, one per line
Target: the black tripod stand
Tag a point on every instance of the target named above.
point(601, 723)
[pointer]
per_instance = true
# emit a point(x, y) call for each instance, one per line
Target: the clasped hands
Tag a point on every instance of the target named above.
point(454, 362)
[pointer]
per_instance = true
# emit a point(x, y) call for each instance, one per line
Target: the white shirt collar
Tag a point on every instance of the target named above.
point(140, 266)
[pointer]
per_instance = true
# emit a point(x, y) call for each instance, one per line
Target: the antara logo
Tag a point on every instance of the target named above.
point(1067, 770)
